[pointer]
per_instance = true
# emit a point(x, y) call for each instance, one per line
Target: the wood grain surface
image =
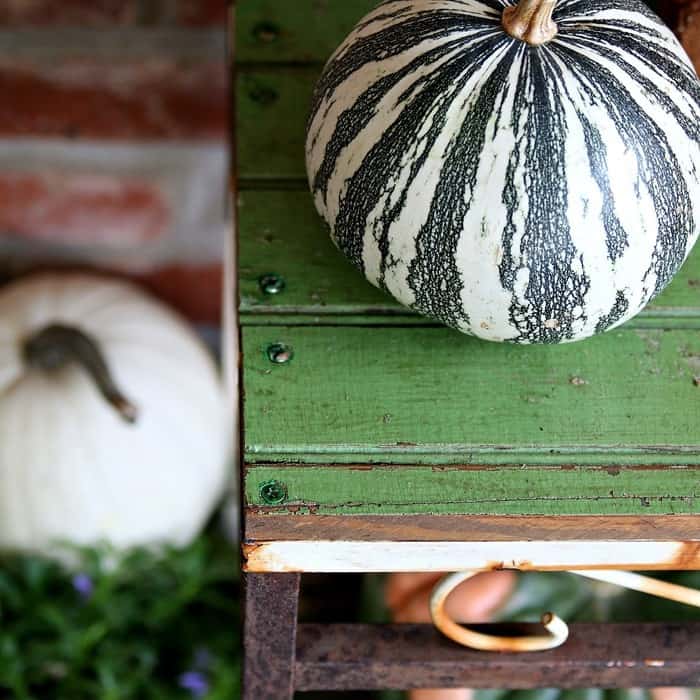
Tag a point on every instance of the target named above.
point(386, 418)
point(298, 31)
point(342, 556)
point(431, 396)
point(271, 147)
point(266, 525)
point(502, 490)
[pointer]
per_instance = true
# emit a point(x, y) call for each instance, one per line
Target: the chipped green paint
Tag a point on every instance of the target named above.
point(294, 31)
point(369, 394)
point(371, 383)
point(270, 147)
point(501, 491)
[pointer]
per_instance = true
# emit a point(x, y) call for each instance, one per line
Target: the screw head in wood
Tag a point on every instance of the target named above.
point(264, 95)
point(266, 32)
point(279, 353)
point(272, 284)
point(273, 492)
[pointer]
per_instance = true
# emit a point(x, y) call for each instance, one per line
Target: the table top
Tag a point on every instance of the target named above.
point(383, 426)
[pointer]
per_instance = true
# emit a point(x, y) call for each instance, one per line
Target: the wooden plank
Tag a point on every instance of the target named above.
point(432, 396)
point(372, 319)
point(272, 105)
point(334, 556)
point(264, 525)
point(281, 233)
point(502, 490)
point(300, 31)
point(366, 657)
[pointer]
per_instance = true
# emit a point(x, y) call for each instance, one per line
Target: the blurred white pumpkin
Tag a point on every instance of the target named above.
point(113, 423)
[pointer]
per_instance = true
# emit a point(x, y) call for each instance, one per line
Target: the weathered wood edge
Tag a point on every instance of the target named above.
point(563, 490)
point(334, 556)
point(298, 31)
point(454, 456)
point(262, 525)
point(676, 319)
point(370, 657)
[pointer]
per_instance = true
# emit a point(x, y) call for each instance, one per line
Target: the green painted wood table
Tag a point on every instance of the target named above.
point(376, 441)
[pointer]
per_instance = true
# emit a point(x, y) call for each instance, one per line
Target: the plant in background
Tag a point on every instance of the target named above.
point(159, 626)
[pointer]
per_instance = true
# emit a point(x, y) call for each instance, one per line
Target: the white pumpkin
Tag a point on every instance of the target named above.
point(146, 468)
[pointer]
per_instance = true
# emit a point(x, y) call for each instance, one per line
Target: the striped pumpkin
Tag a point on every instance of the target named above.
point(514, 191)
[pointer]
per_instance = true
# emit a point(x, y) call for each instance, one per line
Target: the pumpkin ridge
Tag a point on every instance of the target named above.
point(659, 171)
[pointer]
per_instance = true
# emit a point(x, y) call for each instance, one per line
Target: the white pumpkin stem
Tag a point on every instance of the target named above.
point(531, 21)
point(58, 345)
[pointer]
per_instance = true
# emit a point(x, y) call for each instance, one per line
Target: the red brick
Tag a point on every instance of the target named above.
point(689, 30)
point(140, 100)
point(81, 209)
point(110, 13)
point(85, 13)
point(196, 291)
point(202, 13)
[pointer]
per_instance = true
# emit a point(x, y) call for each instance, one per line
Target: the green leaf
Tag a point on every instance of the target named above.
point(148, 615)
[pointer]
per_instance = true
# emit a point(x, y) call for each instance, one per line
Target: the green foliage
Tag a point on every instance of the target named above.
point(155, 626)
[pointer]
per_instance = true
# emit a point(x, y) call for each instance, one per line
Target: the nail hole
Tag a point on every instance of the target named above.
point(266, 32)
point(263, 95)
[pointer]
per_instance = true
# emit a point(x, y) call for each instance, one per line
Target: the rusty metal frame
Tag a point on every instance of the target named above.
point(270, 632)
point(402, 657)
point(282, 656)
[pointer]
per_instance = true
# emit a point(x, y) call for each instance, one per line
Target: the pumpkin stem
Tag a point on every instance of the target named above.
point(531, 21)
point(56, 346)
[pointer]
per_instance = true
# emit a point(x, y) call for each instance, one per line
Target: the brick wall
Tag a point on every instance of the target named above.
point(113, 131)
point(688, 28)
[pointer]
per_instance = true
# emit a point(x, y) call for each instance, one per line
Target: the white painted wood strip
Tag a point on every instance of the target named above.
point(348, 557)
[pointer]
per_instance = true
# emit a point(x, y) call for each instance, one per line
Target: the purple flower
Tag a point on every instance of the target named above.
point(83, 585)
point(195, 682)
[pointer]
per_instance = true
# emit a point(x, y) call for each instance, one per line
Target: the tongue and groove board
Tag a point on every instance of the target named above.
point(294, 31)
point(433, 396)
point(385, 428)
point(414, 425)
point(270, 146)
point(297, 31)
point(368, 422)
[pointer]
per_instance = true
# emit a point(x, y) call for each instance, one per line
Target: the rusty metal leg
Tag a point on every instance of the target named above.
point(270, 631)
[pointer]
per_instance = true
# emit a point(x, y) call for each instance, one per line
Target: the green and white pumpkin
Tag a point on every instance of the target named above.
point(113, 421)
point(526, 174)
